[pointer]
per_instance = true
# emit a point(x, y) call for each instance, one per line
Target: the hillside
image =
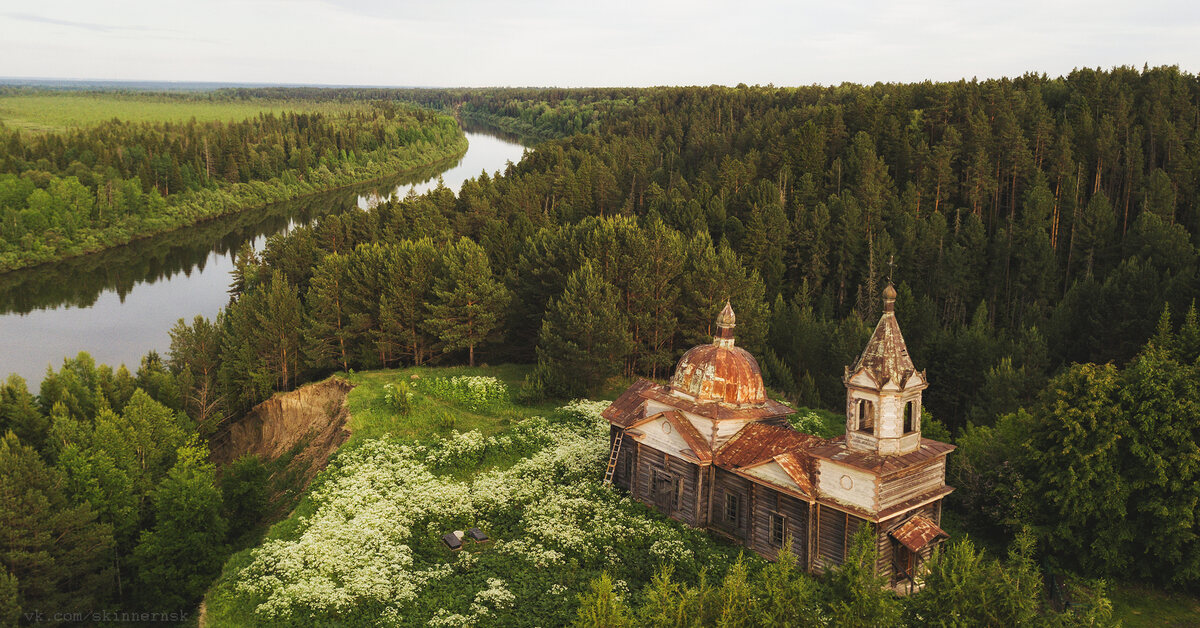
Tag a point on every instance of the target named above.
point(438, 450)
point(364, 542)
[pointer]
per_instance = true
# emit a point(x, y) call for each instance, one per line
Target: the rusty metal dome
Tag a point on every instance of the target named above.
point(720, 372)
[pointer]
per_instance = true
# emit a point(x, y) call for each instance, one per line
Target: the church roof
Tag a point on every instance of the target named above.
point(885, 357)
point(917, 532)
point(880, 465)
point(630, 407)
point(759, 442)
point(699, 447)
point(721, 374)
point(720, 371)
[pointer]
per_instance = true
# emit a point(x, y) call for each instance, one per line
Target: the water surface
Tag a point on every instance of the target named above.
point(119, 304)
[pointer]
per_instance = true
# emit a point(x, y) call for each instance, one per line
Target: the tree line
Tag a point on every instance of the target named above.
point(90, 188)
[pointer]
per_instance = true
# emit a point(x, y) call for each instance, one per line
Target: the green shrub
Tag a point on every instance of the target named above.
point(477, 393)
point(398, 397)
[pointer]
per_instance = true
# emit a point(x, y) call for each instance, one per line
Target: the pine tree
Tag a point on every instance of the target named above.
point(1095, 233)
point(584, 338)
point(10, 602)
point(279, 323)
point(178, 557)
point(1159, 400)
point(1189, 337)
point(1078, 490)
point(469, 303)
point(860, 599)
point(404, 306)
point(327, 333)
point(602, 607)
point(245, 271)
point(56, 552)
point(195, 358)
point(19, 413)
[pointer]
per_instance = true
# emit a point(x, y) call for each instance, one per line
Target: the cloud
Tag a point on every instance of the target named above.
point(89, 26)
point(574, 43)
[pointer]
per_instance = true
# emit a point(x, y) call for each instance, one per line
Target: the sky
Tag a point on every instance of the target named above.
point(566, 43)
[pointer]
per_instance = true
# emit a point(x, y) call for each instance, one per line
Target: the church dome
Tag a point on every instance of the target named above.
point(720, 372)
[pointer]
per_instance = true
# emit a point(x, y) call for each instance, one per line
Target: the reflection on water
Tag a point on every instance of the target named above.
point(121, 303)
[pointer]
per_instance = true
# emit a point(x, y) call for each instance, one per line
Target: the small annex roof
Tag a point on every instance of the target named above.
point(698, 446)
point(880, 465)
point(630, 406)
point(885, 358)
point(792, 464)
point(759, 442)
point(918, 532)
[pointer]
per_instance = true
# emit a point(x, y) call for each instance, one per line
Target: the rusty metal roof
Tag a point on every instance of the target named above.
point(796, 466)
point(759, 442)
point(837, 451)
point(699, 447)
point(720, 373)
point(629, 407)
point(918, 532)
point(886, 357)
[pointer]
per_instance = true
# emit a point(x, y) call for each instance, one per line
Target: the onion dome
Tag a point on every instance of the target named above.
point(720, 372)
point(886, 356)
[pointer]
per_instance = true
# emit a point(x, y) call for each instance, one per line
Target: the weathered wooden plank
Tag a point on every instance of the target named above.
point(912, 483)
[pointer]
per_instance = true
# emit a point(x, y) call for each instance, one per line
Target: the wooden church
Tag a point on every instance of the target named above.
point(713, 451)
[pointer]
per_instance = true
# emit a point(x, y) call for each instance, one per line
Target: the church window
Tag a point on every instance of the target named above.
point(866, 416)
point(733, 509)
point(910, 421)
point(778, 526)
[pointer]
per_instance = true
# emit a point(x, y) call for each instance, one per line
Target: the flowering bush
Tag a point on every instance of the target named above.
point(369, 549)
point(474, 392)
point(398, 397)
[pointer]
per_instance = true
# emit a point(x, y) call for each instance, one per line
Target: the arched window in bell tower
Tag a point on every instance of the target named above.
point(910, 421)
point(866, 416)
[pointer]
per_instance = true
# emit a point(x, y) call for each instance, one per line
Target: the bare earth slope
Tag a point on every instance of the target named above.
point(312, 418)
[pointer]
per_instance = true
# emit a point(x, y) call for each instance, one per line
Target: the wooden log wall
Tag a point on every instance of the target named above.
point(912, 483)
point(725, 483)
point(835, 531)
point(623, 475)
point(650, 460)
point(795, 512)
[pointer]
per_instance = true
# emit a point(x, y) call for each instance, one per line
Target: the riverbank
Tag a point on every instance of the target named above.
point(194, 207)
point(120, 303)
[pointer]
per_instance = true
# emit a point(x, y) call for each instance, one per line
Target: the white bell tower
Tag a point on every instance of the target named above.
point(883, 391)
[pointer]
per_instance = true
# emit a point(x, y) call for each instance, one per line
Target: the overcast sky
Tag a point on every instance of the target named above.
point(567, 43)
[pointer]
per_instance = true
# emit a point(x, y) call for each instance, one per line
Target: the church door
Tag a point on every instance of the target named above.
point(666, 491)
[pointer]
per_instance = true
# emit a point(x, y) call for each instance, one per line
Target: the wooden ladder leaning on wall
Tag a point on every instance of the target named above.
point(612, 458)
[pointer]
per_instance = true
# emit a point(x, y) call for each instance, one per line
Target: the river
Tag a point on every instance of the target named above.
point(119, 304)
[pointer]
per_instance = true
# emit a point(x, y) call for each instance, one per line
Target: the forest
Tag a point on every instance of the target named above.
point(81, 189)
point(1041, 232)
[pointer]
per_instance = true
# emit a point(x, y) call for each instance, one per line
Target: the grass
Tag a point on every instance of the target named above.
point(1137, 606)
point(47, 112)
point(371, 417)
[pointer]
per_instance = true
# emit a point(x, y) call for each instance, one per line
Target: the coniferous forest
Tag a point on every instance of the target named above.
point(1042, 234)
point(86, 189)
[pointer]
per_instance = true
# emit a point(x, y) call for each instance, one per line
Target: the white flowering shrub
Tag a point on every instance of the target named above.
point(476, 393)
point(369, 550)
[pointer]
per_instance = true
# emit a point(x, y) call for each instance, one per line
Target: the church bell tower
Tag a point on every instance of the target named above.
point(883, 391)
